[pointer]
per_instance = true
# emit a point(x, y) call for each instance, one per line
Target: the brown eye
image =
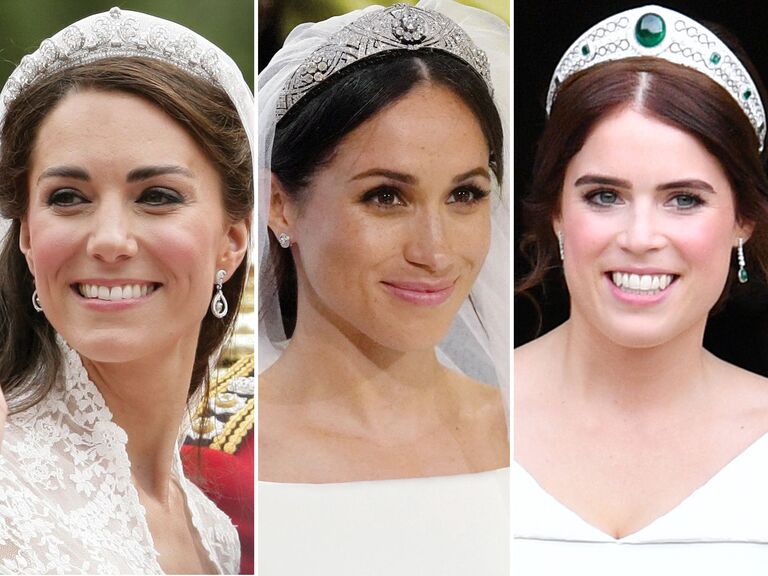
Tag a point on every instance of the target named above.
point(384, 197)
point(66, 197)
point(160, 197)
point(467, 195)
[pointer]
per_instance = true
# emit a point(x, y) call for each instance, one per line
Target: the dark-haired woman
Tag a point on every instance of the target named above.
point(381, 161)
point(126, 175)
point(638, 451)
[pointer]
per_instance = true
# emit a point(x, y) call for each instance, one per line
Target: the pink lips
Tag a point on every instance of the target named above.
point(420, 293)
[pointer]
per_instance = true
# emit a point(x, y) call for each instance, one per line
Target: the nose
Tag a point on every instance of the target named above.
point(111, 238)
point(642, 231)
point(428, 244)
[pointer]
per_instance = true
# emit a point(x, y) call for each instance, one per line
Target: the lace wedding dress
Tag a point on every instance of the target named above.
point(67, 503)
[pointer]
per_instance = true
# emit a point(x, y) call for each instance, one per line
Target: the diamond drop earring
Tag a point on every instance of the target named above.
point(743, 276)
point(219, 306)
point(560, 244)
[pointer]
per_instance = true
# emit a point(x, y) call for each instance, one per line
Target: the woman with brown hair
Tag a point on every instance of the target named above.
point(126, 175)
point(636, 448)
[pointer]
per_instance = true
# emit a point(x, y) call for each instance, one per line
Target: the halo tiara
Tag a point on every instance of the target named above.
point(118, 33)
point(663, 33)
point(399, 27)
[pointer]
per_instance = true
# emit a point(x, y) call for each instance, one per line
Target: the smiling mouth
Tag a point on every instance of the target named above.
point(419, 293)
point(115, 293)
point(642, 284)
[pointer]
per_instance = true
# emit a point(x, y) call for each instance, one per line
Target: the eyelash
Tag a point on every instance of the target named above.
point(593, 196)
point(75, 198)
point(374, 196)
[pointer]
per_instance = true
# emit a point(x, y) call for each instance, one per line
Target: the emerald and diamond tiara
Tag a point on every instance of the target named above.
point(663, 33)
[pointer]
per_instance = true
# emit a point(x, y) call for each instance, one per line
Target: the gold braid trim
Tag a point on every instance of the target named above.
point(235, 430)
point(241, 422)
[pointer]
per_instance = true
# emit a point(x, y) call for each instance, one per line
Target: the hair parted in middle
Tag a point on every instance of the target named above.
point(308, 135)
point(674, 94)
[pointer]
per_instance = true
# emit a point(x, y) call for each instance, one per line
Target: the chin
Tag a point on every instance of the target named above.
point(111, 345)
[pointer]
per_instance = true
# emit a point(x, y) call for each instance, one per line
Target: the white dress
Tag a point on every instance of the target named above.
point(67, 503)
point(721, 528)
point(446, 526)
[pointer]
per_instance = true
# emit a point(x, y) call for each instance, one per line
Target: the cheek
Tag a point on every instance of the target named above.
point(585, 234)
point(343, 244)
point(52, 244)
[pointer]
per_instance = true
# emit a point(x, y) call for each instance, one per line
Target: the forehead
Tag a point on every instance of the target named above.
point(101, 126)
point(429, 124)
point(644, 149)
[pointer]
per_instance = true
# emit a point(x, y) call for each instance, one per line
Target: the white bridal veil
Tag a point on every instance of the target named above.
point(477, 348)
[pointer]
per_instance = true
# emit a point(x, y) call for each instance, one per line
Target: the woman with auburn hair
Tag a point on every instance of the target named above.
point(126, 180)
point(637, 449)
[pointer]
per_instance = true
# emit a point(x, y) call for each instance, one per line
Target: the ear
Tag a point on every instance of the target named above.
point(557, 225)
point(25, 246)
point(282, 210)
point(234, 246)
point(742, 229)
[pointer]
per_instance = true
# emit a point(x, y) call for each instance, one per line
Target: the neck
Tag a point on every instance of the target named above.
point(632, 379)
point(371, 383)
point(147, 398)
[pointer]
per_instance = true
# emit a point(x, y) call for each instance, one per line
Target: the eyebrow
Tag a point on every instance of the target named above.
point(145, 172)
point(408, 179)
point(691, 184)
point(65, 172)
point(602, 180)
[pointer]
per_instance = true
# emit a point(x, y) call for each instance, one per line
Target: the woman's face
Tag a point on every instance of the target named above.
point(394, 229)
point(125, 227)
point(648, 223)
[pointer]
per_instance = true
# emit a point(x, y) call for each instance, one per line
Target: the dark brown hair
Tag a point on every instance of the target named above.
point(308, 135)
point(29, 357)
point(674, 94)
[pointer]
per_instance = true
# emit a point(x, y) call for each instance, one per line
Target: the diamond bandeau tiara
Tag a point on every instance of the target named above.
point(117, 33)
point(399, 27)
point(663, 33)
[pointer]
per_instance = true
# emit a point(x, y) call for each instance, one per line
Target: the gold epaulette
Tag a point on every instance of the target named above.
point(239, 423)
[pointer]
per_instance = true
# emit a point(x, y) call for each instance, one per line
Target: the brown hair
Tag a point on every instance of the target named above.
point(29, 357)
point(677, 95)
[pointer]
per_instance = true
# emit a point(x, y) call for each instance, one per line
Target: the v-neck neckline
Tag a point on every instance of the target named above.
point(601, 535)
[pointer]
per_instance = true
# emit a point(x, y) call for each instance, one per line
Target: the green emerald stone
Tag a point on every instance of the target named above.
point(743, 276)
point(747, 94)
point(715, 58)
point(650, 30)
point(585, 50)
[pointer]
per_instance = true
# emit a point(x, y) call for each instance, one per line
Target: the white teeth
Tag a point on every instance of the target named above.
point(127, 292)
point(642, 283)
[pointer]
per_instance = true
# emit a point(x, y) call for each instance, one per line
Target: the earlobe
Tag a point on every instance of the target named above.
point(25, 246)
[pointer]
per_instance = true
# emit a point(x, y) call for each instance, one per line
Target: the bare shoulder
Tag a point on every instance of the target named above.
point(480, 403)
point(744, 393)
point(534, 360)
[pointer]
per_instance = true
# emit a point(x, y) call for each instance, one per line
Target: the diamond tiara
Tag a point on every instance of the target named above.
point(663, 33)
point(399, 27)
point(118, 33)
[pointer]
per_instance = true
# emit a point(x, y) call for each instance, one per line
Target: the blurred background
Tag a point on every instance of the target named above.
point(278, 17)
point(226, 23)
